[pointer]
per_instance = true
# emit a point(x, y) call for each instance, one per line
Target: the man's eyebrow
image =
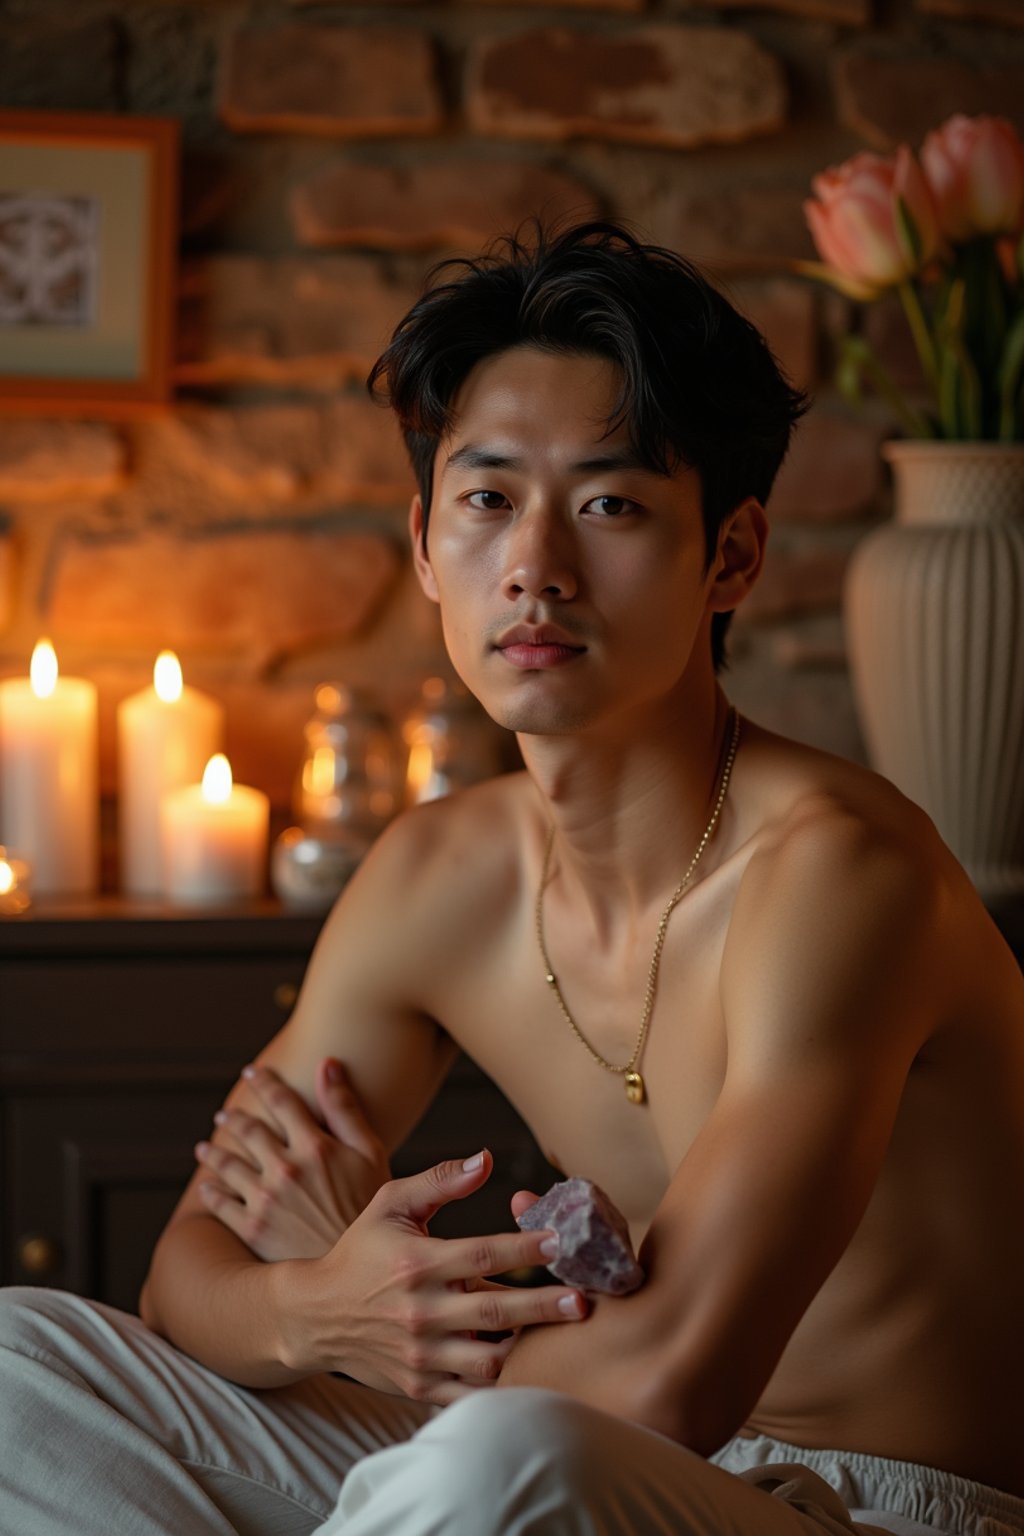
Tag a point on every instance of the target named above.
point(473, 456)
point(625, 458)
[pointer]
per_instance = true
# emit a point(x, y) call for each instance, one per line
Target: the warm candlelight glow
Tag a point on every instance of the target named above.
point(49, 795)
point(165, 735)
point(319, 773)
point(419, 770)
point(14, 884)
point(167, 677)
point(217, 780)
point(43, 670)
point(214, 838)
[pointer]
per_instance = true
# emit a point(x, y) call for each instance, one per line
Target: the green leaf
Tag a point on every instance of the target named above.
point(961, 407)
point(1011, 412)
point(849, 376)
point(953, 319)
point(948, 323)
point(907, 226)
point(858, 361)
point(949, 395)
point(923, 339)
point(864, 293)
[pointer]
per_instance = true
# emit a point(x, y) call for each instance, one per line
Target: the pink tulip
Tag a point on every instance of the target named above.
point(975, 168)
point(855, 222)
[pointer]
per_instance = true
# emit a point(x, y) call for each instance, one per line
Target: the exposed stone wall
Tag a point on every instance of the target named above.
point(332, 152)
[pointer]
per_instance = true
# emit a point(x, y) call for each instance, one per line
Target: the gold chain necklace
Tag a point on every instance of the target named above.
point(634, 1083)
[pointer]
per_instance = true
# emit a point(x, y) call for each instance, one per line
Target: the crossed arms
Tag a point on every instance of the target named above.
point(384, 1302)
point(826, 1003)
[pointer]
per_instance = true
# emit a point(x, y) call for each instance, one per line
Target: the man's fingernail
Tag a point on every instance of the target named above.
point(572, 1305)
point(550, 1245)
point(473, 1163)
point(201, 1148)
point(334, 1071)
point(220, 1118)
point(249, 1071)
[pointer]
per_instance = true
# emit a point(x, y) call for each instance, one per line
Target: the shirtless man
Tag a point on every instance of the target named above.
point(823, 1161)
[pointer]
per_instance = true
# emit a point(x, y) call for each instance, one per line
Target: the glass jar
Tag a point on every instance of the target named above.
point(349, 782)
point(451, 742)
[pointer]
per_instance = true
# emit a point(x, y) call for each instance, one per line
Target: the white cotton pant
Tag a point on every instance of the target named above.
point(525, 1462)
point(106, 1430)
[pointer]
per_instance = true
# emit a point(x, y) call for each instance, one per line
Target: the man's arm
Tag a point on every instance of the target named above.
point(824, 991)
point(291, 1182)
point(388, 1304)
point(205, 1290)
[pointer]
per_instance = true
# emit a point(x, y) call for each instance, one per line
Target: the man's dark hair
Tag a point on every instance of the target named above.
point(699, 384)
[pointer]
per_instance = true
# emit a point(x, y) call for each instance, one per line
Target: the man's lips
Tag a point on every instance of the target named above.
point(537, 656)
point(527, 647)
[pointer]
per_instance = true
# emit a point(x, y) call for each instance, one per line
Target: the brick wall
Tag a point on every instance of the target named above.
point(332, 152)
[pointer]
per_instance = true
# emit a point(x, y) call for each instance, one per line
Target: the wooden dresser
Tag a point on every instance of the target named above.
point(121, 1029)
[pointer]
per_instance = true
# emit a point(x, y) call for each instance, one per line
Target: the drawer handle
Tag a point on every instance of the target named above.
point(285, 994)
point(38, 1255)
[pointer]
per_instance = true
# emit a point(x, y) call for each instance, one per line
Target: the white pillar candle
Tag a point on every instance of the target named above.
point(214, 838)
point(49, 792)
point(165, 736)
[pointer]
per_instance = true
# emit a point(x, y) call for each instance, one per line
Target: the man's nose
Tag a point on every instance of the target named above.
point(539, 558)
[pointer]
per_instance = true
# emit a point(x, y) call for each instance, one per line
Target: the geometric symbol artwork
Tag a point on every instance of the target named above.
point(49, 259)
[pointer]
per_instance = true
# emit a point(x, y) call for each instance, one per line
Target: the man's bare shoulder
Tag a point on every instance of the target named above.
point(811, 806)
point(843, 866)
point(441, 875)
point(469, 843)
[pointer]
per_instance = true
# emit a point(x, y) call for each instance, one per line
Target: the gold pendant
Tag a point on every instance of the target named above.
point(635, 1091)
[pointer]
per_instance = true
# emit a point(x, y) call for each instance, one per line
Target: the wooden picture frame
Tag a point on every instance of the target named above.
point(88, 260)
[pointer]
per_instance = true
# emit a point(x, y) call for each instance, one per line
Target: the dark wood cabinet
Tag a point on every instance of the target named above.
point(121, 1030)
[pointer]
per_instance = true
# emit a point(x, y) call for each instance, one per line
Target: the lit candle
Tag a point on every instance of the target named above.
point(15, 878)
point(165, 734)
point(49, 795)
point(214, 838)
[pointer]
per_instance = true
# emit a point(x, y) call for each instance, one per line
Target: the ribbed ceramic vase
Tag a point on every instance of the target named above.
point(934, 609)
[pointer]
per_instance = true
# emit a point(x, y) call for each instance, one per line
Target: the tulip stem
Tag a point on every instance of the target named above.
point(863, 359)
point(920, 332)
point(1009, 381)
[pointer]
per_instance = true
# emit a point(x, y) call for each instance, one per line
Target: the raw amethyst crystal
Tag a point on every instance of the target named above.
point(595, 1250)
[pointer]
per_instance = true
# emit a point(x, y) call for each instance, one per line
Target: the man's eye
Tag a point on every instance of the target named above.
point(486, 501)
point(609, 506)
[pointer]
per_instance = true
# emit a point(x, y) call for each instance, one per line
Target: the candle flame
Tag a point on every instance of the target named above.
point(6, 878)
point(43, 670)
point(167, 677)
point(217, 779)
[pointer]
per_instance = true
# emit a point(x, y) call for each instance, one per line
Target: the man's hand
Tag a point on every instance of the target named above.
point(279, 1180)
point(401, 1311)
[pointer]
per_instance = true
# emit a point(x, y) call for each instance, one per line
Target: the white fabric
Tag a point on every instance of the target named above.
point(106, 1430)
point(523, 1462)
point(898, 1496)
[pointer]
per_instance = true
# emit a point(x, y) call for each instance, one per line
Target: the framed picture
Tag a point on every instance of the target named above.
point(88, 239)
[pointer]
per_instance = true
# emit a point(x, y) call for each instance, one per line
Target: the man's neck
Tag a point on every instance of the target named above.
point(628, 810)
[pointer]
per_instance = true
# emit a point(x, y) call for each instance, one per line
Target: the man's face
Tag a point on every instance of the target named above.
point(570, 577)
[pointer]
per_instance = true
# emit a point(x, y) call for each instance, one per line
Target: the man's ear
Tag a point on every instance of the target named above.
point(420, 558)
point(741, 548)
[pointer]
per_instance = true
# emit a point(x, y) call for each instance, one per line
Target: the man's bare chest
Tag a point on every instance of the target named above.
point(566, 1079)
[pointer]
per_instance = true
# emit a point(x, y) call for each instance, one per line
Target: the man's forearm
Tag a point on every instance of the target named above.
point(588, 1365)
point(612, 1361)
point(211, 1297)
